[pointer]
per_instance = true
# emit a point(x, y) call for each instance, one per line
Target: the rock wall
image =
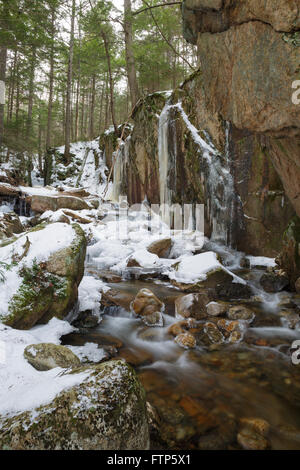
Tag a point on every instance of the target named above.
point(249, 67)
point(250, 204)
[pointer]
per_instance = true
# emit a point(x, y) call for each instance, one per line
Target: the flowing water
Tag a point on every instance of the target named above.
point(200, 395)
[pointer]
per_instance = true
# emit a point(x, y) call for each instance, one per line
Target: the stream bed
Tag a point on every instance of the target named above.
point(200, 398)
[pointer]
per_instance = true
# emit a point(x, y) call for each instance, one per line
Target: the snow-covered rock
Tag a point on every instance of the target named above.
point(42, 270)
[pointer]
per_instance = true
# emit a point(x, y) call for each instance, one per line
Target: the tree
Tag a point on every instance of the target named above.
point(130, 62)
point(67, 155)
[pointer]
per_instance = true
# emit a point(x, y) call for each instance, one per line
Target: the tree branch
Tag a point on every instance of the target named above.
point(155, 6)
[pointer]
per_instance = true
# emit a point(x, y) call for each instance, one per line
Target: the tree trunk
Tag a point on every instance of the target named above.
point(111, 83)
point(51, 82)
point(67, 156)
point(3, 58)
point(130, 63)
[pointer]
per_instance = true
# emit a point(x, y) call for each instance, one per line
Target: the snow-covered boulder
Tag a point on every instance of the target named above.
point(192, 306)
point(41, 271)
point(105, 410)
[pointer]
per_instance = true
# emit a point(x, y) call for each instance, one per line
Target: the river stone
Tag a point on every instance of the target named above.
point(161, 247)
point(186, 340)
point(182, 326)
point(86, 319)
point(213, 333)
point(239, 312)
point(259, 425)
point(251, 440)
point(153, 319)
point(46, 356)
point(192, 305)
point(274, 282)
point(214, 309)
point(146, 303)
point(107, 411)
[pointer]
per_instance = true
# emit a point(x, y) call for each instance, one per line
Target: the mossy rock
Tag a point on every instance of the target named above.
point(46, 356)
point(48, 289)
point(106, 411)
point(289, 258)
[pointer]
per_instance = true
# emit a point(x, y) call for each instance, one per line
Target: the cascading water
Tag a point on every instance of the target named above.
point(119, 177)
point(215, 173)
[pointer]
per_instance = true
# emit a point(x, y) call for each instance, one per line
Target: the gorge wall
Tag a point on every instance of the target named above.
point(229, 136)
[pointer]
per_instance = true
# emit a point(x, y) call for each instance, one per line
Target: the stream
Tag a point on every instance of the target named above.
point(200, 396)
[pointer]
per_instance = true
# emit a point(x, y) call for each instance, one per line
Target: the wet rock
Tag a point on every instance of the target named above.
point(161, 247)
point(213, 333)
point(192, 305)
point(232, 330)
point(215, 309)
point(186, 341)
point(106, 411)
point(147, 306)
point(251, 440)
point(46, 356)
point(259, 425)
point(288, 258)
point(182, 326)
point(290, 318)
point(233, 290)
point(153, 319)
point(86, 319)
point(274, 281)
point(118, 298)
point(239, 312)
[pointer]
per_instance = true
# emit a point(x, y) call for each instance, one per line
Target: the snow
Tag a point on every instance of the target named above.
point(43, 243)
point(89, 293)
point(195, 268)
point(90, 352)
point(261, 261)
point(22, 387)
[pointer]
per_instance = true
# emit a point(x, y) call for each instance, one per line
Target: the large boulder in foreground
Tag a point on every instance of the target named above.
point(106, 411)
point(42, 271)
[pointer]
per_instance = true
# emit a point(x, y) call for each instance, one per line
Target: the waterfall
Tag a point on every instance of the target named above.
point(163, 155)
point(119, 172)
point(215, 173)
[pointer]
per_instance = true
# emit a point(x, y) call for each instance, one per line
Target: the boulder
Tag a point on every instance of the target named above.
point(45, 267)
point(160, 247)
point(192, 306)
point(10, 224)
point(186, 340)
point(239, 312)
point(289, 257)
point(251, 440)
point(41, 203)
point(9, 190)
point(46, 356)
point(274, 281)
point(215, 309)
point(147, 306)
point(106, 411)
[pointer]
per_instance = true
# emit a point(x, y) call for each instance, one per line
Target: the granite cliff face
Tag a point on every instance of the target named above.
point(249, 68)
point(229, 136)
